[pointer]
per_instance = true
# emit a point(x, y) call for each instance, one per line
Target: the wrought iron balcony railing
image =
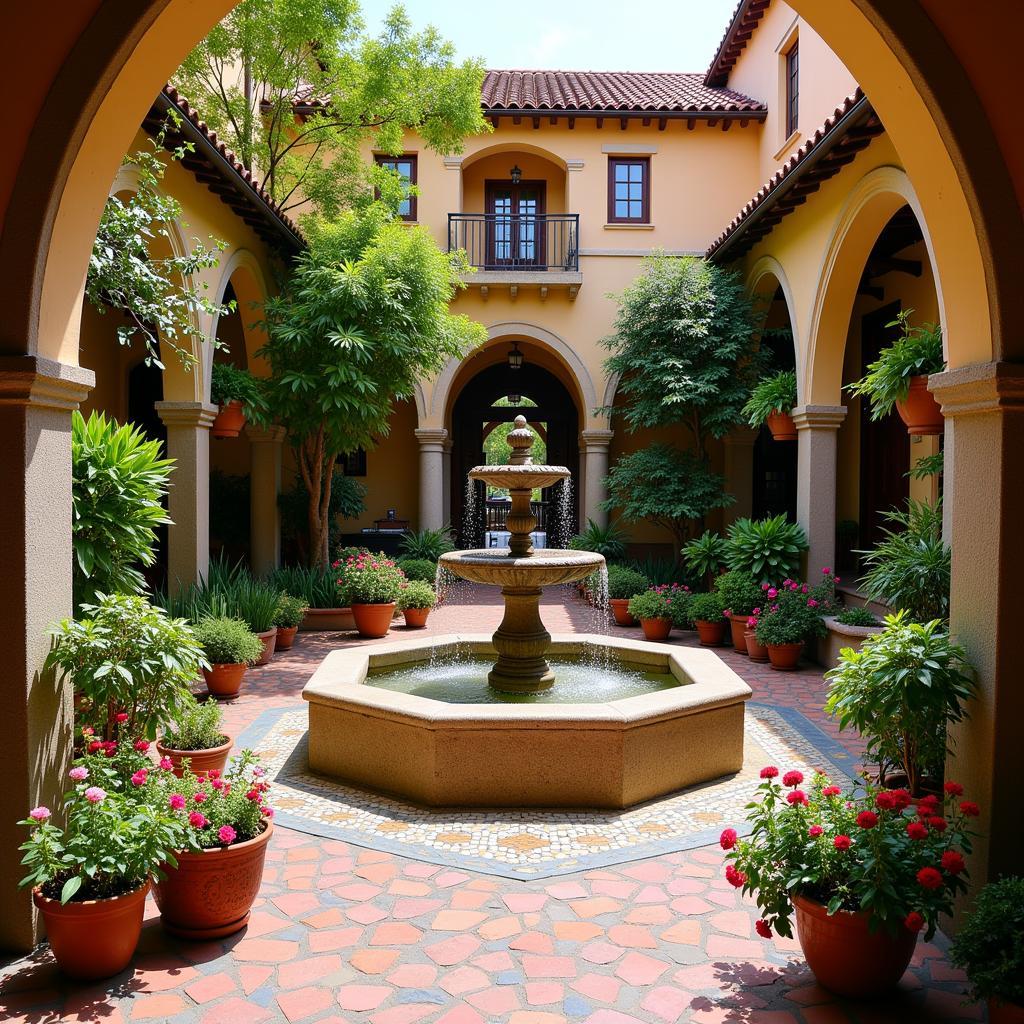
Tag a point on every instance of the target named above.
point(495, 241)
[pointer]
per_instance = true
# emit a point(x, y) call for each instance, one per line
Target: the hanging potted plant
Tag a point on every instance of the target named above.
point(756, 651)
point(708, 613)
point(790, 616)
point(290, 613)
point(653, 610)
point(415, 599)
point(863, 872)
point(771, 402)
point(235, 391)
point(210, 890)
point(624, 583)
point(372, 583)
point(990, 947)
point(740, 593)
point(196, 738)
point(899, 377)
point(230, 648)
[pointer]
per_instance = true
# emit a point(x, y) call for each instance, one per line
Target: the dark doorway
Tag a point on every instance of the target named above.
point(514, 234)
point(884, 451)
point(145, 389)
point(475, 407)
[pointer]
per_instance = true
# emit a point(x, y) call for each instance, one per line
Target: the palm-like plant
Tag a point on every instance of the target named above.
point(429, 545)
point(705, 555)
point(609, 540)
point(766, 548)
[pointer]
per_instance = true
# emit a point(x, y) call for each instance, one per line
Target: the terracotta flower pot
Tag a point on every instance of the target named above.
point(656, 629)
point(711, 633)
point(269, 640)
point(373, 620)
point(1004, 1013)
point(224, 680)
point(328, 619)
point(286, 637)
point(782, 426)
point(229, 421)
point(620, 609)
point(738, 626)
point(755, 651)
point(202, 762)
point(920, 412)
point(847, 958)
point(210, 893)
point(785, 657)
point(416, 618)
point(95, 938)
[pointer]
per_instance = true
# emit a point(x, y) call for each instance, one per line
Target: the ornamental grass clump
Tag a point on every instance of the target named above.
point(197, 727)
point(318, 588)
point(370, 579)
point(228, 641)
point(416, 594)
point(874, 850)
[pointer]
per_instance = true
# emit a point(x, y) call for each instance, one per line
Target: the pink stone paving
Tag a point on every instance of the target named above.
point(342, 934)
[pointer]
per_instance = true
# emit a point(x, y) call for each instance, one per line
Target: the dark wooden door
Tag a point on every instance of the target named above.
point(515, 231)
point(884, 447)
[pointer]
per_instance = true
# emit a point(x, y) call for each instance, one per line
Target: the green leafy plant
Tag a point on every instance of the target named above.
point(651, 604)
point(197, 726)
point(705, 555)
point(372, 579)
point(769, 549)
point(126, 657)
point(901, 691)
point(772, 395)
point(989, 945)
point(793, 613)
point(917, 351)
point(348, 501)
point(416, 594)
point(256, 603)
point(707, 608)
point(928, 466)
point(290, 611)
point(659, 570)
point(228, 641)
point(856, 616)
point(230, 384)
point(740, 591)
point(118, 484)
point(861, 850)
point(624, 583)
point(428, 545)
point(911, 568)
point(681, 602)
point(317, 588)
point(423, 569)
point(609, 540)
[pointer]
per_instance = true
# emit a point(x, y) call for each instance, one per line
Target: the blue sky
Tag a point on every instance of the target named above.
point(596, 35)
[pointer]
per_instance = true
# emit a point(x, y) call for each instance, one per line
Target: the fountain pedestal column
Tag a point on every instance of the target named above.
point(522, 643)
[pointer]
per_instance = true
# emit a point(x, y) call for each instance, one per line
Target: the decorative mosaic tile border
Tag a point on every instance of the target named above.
point(532, 843)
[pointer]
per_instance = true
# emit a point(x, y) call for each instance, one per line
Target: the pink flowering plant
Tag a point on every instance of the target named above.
point(366, 578)
point(875, 850)
point(793, 612)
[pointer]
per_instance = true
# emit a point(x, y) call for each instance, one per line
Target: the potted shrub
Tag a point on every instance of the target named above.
point(756, 651)
point(708, 613)
point(771, 402)
point(768, 549)
point(899, 377)
point(653, 610)
point(900, 691)
point(227, 823)
point(680, 600)
point(196, 739)
point(372, 583)
point(415, 599)
point(864, 872)
point(790, 616)
point(741, 594)
point(990, 947)
point(235, 391)
point(257, 605)
point(230, 648)
point(422, 569)
point(289, 614)
point(705, 556)
point(624, 583)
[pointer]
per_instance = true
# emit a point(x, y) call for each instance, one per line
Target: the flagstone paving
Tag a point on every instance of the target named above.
point(348, 933)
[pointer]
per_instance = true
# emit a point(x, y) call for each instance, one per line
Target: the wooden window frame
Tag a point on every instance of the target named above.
point(381, 159)
point(645, 199)
point(792, 70)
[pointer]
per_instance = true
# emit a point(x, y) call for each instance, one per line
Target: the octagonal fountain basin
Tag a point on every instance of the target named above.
point(418, 720)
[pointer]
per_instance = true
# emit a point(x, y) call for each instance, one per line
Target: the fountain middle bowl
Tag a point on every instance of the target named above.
point(524, 477)
point(544, 568)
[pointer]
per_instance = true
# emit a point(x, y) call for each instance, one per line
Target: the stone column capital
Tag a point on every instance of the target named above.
point(431, 436)
point(979, 388)
point(43, 383)
point(186, 414)
point(599, 437)
point(819, 417)
point(265, 435)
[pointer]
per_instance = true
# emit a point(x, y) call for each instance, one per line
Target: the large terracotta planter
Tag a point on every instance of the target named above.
point(845, 956)
point(373, 620)
point(95, 938)
point(919, 411)
point(785, 657)
point(782, 426)
point(756, 651)
point(286, 637)
point(416, 618)
point(202, 762)
point(269, 640)
point(210, 893)
point(620, 609)
point(328, 619)
point(229, 421)
point(738, 628)
point(711, 633)
point(656, 629)
point(224, 680)
point(1004, 1013)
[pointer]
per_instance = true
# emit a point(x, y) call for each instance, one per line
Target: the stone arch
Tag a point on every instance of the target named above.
point(514, 147)
point(760, 280)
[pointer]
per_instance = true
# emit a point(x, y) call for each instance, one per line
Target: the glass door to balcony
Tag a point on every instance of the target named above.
point(515, 232)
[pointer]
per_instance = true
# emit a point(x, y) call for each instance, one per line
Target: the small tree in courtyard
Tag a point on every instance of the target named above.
point(362, 317)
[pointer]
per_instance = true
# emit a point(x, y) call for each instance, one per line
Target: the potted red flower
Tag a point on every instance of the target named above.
point(756, 650)
point(862, 872)
point(791, 615)
point(372, 583)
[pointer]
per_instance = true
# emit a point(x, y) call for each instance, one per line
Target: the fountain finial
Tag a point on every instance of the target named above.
point(520, 439)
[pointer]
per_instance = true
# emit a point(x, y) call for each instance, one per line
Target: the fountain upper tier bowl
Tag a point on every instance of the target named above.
point(544, 568)
point(525, 477)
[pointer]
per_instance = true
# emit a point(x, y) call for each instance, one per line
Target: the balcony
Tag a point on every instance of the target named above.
point(519, 250)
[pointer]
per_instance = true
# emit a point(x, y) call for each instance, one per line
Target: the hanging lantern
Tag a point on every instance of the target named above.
point(515, 357)
point(516, 174)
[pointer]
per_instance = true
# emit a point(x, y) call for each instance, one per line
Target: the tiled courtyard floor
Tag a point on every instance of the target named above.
point(346, 933)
